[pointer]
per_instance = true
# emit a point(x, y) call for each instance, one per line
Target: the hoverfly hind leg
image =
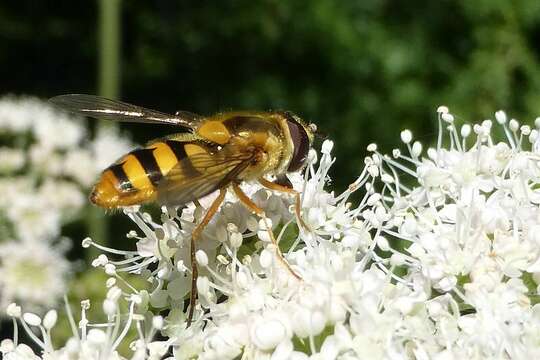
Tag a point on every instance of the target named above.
point(279, 186)
point(283, 180)
point(195, 235)
point(244, 199)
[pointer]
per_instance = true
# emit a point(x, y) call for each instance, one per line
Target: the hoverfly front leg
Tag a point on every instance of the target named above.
point(194, 237)
point(244, 199)
point(289, 190)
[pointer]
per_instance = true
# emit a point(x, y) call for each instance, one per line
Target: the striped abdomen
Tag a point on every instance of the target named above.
point(134, 178)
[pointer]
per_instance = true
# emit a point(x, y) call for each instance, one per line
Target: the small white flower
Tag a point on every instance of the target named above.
point(55, 130)
point(13, 310)
point(327, 147)
point(201, 258)
point(33, 218)
point(31, 319)
point(33, 274)
point(12, 160)
point(19, 352)
point(269, 331)
point(406, 136)
point(17, 115)
point(63, 196)
point(81, 166)
point(50, 319)
point(442, 109)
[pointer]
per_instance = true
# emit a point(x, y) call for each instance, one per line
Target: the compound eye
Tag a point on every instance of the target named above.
point(301, 145)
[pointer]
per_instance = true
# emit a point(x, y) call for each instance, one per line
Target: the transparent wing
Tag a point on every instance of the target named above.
point(107, 109)
point(201, 174)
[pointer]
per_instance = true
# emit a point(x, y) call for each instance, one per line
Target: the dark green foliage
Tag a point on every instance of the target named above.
point(363, 70)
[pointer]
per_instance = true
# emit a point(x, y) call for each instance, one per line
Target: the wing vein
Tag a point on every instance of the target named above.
point(108, 109)
point(211, 171)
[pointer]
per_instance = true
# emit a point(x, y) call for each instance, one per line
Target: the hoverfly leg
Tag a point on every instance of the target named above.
point(244, 199)
point(289, 190)
point(283, 180)
point(195, 235)
point(247, 201)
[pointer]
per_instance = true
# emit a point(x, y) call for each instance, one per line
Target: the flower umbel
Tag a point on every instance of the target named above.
point(439, 258)
point(32, 273)
point(48, 159)
point(469, 229)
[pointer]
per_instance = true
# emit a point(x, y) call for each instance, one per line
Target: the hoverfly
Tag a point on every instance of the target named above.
point(217, 153)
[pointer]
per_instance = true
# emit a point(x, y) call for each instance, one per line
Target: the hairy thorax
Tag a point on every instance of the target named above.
point(267, 148)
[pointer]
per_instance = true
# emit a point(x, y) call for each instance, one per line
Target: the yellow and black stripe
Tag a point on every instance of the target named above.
point(149, 163)
point(181, 153)
point(122, 179)
point(135, 177)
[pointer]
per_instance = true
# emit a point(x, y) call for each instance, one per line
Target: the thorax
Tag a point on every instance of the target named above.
point(253, 131)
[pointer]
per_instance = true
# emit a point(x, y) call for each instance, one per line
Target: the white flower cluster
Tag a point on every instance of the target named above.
point(46, 168)
point(89, 340)
point(439, 259)
point(470, 230)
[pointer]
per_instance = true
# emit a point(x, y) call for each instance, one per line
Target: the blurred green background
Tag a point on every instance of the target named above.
point(362, 70)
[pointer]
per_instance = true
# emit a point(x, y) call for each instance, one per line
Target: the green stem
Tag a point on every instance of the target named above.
point(109, 48)
point(98, 225)
point(108, 86)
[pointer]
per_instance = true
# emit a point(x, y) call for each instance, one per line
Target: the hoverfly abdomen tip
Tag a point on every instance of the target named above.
point(104, 194)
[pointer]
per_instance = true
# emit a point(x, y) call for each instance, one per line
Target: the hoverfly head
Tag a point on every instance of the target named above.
point(302, 136)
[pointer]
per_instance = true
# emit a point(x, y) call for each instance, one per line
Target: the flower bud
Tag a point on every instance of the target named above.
point(50, 319)
point(265, 258)
point(513, 124)
point(466, 130)
point(442, 109)
point(202, 258)
point(416, 148)
point(500, 116)
point(406, 136)
point(31, 319)
point(13, 310)
point(446, 117)
point(327, 147)
point(86, 242)
point(157, 322)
